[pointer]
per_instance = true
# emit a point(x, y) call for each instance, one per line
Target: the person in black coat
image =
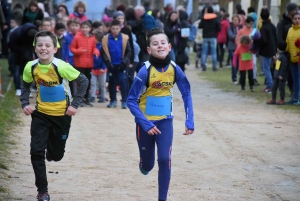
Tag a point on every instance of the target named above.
point(171, 30)
point(267, 46)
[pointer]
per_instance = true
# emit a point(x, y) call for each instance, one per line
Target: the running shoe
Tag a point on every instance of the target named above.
point(112, 104)
point(43, 197)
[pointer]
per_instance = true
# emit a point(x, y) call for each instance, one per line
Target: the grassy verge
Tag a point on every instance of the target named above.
point(9, 108)
point(222, 80)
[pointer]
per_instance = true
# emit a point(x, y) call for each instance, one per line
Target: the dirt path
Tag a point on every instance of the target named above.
point(241, 150)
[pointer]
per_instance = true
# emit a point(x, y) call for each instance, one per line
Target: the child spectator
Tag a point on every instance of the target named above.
point(280, 74)
point(233, 29)
point(32, 13)
point(222, 38)
point(244, 56)
point(59, 31)
point(79, 11)
point(153, 86)
point(47, 24)
point(97, 26)
point(292, 37)
point(83, 47)
point(51, 117)
point(98, 79)
point(116, 54)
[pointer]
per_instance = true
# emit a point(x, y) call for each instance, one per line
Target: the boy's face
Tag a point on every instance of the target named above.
point(121, 19)
point(13, 23)
point(59, 32)
point(115, 30)
point(73, 28)
point(46, 26)
point(159, 46)
point(45, 49)
point(106, 29)
point(249, 25)
point(85, 29)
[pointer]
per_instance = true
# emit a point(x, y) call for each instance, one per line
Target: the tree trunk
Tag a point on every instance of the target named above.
point(283, 5)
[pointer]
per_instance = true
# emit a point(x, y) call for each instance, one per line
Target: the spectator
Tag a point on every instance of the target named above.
point(252, 13)
point(79, 11)
point(138, 28)
point(171, 30)
point(121, 7)
point(222, 38)
point(156, 14)
point(232, 34)
point(211, 27)
point(168, 9)
point(148, 20)
point(5, 27)
point(241, 13)
point(97, 26)
point(147, 7)
point(42, 7)
point(106, 27)
point(108, 14)
point(32, 13)
point(59, 31)
point(283, 27)
point(47, 24)
point(268, 46)
point(293, 35)
point(62, 10)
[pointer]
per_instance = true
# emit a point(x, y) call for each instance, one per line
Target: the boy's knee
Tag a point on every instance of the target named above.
point(164, 160)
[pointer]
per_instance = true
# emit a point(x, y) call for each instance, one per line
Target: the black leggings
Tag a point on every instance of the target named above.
point(278, 84)
point(243, 78)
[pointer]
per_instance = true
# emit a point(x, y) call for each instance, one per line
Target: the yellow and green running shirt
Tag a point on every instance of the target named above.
point(53, 91)
point(160, 87)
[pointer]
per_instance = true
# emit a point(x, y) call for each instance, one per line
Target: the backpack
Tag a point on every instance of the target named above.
point(193, 32)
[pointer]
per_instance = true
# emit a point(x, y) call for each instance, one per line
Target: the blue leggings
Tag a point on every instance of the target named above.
point(146, 145)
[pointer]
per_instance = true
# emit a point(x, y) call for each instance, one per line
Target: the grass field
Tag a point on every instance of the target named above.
point(9, 110)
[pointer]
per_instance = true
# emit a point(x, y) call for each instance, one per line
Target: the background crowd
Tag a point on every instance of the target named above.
point(252, 41)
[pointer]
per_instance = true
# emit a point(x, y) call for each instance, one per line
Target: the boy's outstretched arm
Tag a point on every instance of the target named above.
point(185, 89)
point(82, 82)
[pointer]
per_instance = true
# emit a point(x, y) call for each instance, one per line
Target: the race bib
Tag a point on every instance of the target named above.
point(158, 106)
point(246, 56)
point(278, 63)
point(52, 94)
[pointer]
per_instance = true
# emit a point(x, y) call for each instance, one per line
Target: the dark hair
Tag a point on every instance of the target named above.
point(223, 9)
point(59, 25)
point(121, 7)
point(169, 15)
point(130, 14)
point(37, 23)
point(210, 9)
point(73, 20)
point(264, 14)
point(238, 7)
point(107, 24)
point(251, 9)
point(245, 39)
point(115, 23)
point(88, 23)
point(96, 24)
point(33, 3)
point(99, 35)
point(225, 16)
point(154, 31)
point(146, 4)
point(281, 45)
point(155, 12)
point(45, 33)
point(295, 14)
point(47, 19)
point(63, 6)
point(249, 19)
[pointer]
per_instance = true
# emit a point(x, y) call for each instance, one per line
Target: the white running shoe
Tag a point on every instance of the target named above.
point(18, 92)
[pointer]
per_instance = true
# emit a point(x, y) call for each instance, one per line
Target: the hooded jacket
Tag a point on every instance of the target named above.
point(84, 59)
point(268, 39)
point(283, 27)
point(222, 35)
point(210, 25)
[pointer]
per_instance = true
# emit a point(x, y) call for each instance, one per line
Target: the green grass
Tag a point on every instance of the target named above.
point(222, 80)
point(9, 119)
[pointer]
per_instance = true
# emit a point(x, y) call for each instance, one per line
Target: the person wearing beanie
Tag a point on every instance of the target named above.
point(283, 27)
point(267, 50)
point(280, 74)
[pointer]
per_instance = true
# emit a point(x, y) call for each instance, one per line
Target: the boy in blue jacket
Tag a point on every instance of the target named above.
point(98, 74)
point(150, 102)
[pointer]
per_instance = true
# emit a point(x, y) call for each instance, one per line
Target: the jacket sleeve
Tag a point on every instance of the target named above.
point(74, 47)
point(280, 33)
point(185, 90)
point(218, 25)
point(40, 15)
point(284, 66)
point(138, 85)
point(169, 31)
point(200, 26)
point(105, 58)
point(82, 82)
point(65, 49)
point(127, 55)
point(263, 36)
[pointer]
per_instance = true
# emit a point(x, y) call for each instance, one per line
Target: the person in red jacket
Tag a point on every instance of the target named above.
point(83, 47)
point(222, 38)
point(79, 11)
